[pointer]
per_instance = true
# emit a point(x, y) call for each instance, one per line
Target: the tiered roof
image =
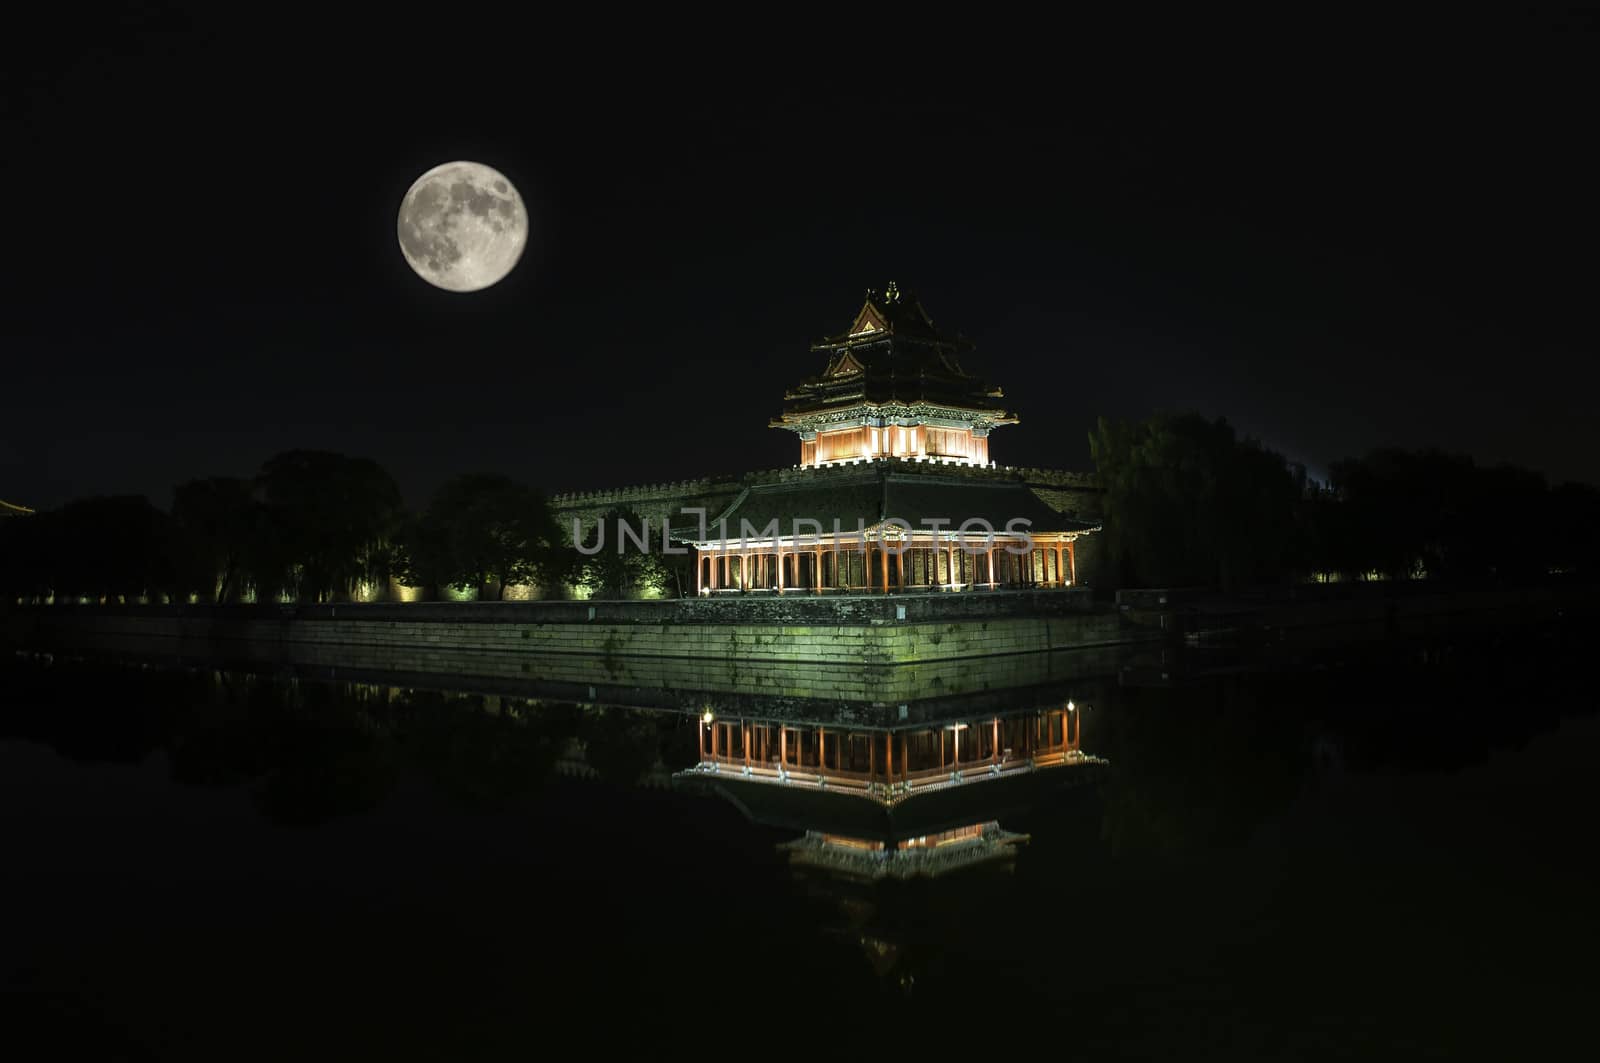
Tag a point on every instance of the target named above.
point(893, 355)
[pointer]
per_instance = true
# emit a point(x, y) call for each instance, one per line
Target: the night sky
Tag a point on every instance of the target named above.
point(1337, 236)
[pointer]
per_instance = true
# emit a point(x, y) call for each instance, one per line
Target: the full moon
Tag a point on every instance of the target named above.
point(462, 226)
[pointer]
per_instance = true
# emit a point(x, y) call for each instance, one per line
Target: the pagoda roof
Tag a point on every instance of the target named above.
point(894, 353)
point(9, 510)
point(877, 493)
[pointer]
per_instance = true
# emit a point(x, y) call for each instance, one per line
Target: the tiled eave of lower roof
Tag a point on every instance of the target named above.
point(876, 503)
point(859, 413)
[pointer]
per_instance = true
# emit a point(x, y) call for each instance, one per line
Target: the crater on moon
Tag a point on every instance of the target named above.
point(462, 226)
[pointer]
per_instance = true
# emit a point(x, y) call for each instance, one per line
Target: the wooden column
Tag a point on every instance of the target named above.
point(702, 730)
point(888, 755)
point(822, 749)
point(883, 565)
point(783, 744)
point(900, 571)
point(781, 557)
point(818, 573)
point(994, 754)
point(991, 565)
point(1072, 560)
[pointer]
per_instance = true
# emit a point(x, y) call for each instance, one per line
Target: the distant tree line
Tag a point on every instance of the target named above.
point(1188, 502)
point(311, 526)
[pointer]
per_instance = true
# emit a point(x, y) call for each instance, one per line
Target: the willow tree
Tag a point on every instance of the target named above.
point(612, 564)
point(483, 531)
point(218, 528)
point(332, 520)
point(1188, 502)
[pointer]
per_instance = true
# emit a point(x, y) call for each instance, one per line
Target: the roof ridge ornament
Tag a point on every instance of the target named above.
point(891, 294)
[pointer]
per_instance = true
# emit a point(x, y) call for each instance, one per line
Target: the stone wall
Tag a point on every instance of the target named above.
point(831, 693)
point(849, 634)
point(1328, 614)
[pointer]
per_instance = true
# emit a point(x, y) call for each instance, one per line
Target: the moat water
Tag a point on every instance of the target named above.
point(1381, 851)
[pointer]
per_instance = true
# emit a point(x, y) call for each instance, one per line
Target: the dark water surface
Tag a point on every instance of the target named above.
point(1383, 852)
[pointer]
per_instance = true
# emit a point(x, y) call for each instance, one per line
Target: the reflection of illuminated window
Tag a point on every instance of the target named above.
point(843, 842)
point(949, 837)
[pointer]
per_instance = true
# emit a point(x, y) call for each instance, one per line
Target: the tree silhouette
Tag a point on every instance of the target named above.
point(218, 525)
point(620, 569)
point(482, 530)
point(331, 519)
point(1188, 502)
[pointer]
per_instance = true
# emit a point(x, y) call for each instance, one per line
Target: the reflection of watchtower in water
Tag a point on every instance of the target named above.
point(898, 802)
point(873, 808)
